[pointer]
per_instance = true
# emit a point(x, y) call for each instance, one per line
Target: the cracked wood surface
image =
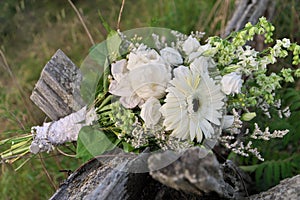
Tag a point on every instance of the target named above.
point(57, 92)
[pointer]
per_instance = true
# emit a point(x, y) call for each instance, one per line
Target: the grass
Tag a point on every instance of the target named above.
point(32, 30)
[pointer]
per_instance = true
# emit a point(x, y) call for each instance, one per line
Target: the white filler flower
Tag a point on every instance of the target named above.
point(193, 104)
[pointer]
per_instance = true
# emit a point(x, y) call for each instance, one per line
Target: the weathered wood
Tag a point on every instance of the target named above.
point(192, 176)
point(57, 93)
point(249, 11)
point(287, 189)
point(111, 179)
point(198, 172)
point(105, 179)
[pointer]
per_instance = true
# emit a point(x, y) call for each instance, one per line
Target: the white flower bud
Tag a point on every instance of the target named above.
point(231, 83)
point(286, 43)
point(150, 112)
point(248, 116)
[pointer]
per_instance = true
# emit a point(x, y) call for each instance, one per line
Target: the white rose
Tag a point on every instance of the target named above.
point(171, 56)
point(231, 83)
point(147, 75)
point(150, 112)
point(150, 80)
point(141, 57)
point(190, 45)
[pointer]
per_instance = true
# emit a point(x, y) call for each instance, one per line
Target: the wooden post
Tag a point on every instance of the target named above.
point(57, 93)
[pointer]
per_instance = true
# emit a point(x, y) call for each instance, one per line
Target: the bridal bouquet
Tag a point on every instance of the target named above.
point(158, 89)
point(165, 90)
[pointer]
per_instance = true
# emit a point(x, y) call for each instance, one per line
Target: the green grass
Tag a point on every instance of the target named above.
point(32, 30)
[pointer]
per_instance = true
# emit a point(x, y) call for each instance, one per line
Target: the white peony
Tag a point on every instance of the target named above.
point(190, 45)
point(171, 56)
point(150, 112)
point(231, 83)
point(145, 75)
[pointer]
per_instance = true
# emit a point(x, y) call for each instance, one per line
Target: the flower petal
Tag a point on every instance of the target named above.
point(122, 87)
point(118, 69)
point(193, 104)
point(228, 121)
point(130, 101)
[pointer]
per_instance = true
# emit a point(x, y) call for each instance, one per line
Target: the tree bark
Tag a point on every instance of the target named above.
point(249, 11)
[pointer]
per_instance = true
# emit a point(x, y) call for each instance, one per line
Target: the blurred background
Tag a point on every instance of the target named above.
point(32, 30)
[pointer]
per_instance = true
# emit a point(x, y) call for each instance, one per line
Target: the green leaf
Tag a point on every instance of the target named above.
point(250, 168)
point(113, 40)
point(104, 23)
point(284, 170)
point(295, 106)
point(127, 147)
point(92, 142)
point(113, 43)
point(268, 174)
point(289, 169)
point(248, 116)
point(92, 70)
point(276, 169)
point(259, 172)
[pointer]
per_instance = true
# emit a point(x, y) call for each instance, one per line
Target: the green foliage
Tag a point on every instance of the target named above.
point(282, 156)
point(189, 15)
point(292, 98)
point(127, 147)
point(93, 142)
point(269, 173)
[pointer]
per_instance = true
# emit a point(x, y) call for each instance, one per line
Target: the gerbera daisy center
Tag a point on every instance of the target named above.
point(196, 104)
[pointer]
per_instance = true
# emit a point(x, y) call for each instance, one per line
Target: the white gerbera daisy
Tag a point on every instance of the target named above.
point(193, 104)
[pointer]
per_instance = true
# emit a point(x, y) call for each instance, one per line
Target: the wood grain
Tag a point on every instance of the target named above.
point(57, 92)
